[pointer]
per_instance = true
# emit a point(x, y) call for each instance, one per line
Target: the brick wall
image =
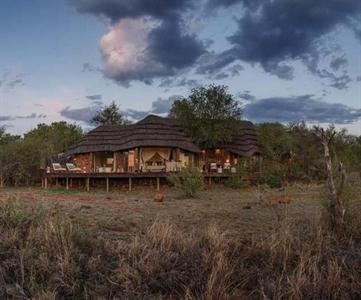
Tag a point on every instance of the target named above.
point(84, 161)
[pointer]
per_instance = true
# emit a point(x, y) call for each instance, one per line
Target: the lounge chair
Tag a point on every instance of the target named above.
point(72, 168)
point(58, 168)
point(213, 167)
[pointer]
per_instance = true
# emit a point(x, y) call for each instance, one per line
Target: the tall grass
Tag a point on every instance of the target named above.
point(46, 255)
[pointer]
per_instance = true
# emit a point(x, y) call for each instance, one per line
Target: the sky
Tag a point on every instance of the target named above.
point(284, 60)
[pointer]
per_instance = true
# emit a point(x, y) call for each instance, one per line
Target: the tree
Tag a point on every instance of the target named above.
point(109, 115)
point(335, 196)
point(210, 115)
point(22, 157)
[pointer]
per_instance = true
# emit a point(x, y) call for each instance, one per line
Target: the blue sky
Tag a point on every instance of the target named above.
point(286, 60)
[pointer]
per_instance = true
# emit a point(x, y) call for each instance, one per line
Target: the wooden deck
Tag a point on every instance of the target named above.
point(69, 176)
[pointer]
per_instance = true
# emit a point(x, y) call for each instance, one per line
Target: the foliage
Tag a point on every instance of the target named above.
point(109, 115)
point(234, 182)
point(188, 180)
point(21, 158)
point(209, 115)
point(272, 181)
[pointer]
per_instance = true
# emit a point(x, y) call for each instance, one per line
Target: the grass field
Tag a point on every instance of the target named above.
point(231, 244)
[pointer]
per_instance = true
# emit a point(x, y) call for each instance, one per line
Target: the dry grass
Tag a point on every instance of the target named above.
point(283, 252)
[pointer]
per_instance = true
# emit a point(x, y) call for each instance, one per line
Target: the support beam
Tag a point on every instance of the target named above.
point(71, 182)
point(130, 184)
point(46, 182)
point(107, 184)
point(87, 184)
point(67, 183)
point(209, 180)
point(158, 184)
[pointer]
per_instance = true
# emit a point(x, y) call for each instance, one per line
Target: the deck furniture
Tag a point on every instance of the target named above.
point(72, 168)
point(58, 168)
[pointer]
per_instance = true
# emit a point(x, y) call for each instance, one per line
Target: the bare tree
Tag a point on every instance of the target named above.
point(335, 195)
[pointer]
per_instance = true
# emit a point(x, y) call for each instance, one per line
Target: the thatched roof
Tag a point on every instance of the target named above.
point(245, 143)
point(154, 131)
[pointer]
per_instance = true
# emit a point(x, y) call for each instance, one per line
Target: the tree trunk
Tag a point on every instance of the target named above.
point(332, 195)
point(340, 200)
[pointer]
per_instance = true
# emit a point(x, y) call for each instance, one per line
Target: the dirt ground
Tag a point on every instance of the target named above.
point(123, 214)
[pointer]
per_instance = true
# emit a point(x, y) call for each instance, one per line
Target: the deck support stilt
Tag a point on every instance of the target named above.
point(107, 184)
point(158, 184)
point(209, 180)
point(130, 184)
point(46, 182)
point(71, 182)
point(67, 183)
point(87, 184)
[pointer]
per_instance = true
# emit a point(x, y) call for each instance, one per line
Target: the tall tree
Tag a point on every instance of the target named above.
point(109, 115)
point(209, 114)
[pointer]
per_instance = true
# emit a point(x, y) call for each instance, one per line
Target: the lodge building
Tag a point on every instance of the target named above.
point(155, 147)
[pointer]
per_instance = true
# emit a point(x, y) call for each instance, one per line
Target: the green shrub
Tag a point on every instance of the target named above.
point(188, 181)
point(273, 181)
point(234, 182)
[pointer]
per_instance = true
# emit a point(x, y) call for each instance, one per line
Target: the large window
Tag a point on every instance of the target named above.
point(104, 161)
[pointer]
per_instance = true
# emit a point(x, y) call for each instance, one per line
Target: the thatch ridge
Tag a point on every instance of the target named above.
point(155, 131)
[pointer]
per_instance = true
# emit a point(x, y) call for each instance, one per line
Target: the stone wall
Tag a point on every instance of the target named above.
point(84, 162)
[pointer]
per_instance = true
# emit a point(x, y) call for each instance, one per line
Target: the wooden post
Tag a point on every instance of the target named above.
point(130, 184)
point(46, 182)
point(138, 160)
point(67, 183)
point(158, 184)
point(71, 182)
point(87, 183)
point(107, 184)
point(57, 181)
point(209, 180)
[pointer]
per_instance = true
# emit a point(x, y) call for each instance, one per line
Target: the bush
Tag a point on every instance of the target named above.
point(273, 181)
point(188, 181)
point(234, 182)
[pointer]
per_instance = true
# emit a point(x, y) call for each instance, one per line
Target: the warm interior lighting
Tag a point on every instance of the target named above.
point(218, 151)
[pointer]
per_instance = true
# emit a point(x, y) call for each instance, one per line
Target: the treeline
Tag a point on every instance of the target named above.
point(23, 157)
point(294, 152)
point(210, 115)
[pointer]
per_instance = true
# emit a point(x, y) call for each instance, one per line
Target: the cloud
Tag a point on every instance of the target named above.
point(161, 106)
point(338, 62)
point(246, 95)
point(30, 116)
point(149, 40)
point(10, 82)
point(179, 82)
point(87, 67)
point(84, 114)
point(115, 10)
point(276, 33)
point(144, 49)
point(300, 108)
point(146, 39)
point(94, 97)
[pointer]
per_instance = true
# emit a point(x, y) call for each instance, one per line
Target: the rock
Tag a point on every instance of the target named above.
point(159, 197)
point(284, 199)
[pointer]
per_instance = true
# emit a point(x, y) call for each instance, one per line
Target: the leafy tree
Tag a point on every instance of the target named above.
point(22, 158)
point(210, 115)
point(109, 115)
